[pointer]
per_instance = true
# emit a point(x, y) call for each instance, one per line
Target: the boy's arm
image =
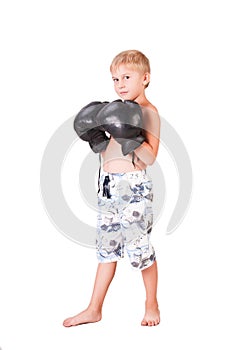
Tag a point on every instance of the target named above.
point(148, 150)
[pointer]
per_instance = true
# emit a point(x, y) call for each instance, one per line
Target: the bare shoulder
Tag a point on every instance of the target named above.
point(150, 112)
point(153, 108)
point(151, 121)
point(149, 108)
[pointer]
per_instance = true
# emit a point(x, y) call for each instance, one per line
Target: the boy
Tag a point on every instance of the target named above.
point(125, 191)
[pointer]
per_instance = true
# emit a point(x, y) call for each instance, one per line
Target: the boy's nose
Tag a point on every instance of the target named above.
point(121, 84)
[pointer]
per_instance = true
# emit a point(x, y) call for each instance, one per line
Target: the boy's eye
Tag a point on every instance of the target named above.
point(127, 77)
point(115, 80)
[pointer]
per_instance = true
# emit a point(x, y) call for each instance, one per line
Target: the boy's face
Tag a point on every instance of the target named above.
point(129, 83)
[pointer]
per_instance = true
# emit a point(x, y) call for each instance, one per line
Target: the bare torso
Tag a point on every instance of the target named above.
point(115, 162)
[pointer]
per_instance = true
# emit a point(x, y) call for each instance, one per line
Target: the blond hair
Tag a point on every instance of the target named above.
point(133, 58)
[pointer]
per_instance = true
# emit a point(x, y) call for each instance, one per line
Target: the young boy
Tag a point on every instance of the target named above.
point(125, 191)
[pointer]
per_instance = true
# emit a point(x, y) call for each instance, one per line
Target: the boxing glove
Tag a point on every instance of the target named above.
point(123, 120)
point(87, 129)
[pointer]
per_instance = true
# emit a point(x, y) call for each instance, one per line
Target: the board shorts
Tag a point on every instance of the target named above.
point(125, 218)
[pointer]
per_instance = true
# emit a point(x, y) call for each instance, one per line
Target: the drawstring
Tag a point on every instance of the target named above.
point(133, 158)
point(99, 172)
point(106, 187)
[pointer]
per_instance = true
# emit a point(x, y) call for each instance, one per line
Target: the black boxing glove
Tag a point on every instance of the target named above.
point(87, 129)
point(123, 120)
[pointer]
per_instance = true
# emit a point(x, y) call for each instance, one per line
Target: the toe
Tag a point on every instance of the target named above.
point(67, 323)
point(144, 323)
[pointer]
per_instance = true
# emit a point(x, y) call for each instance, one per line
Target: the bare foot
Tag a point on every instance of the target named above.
point(152, 316)
point(86, 316)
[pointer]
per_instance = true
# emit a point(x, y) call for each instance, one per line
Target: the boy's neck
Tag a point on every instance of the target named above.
point(142, 101)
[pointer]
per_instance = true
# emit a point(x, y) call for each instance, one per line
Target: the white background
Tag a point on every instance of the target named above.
point(55, 58)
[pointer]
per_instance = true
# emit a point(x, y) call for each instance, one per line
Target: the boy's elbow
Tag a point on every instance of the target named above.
point(146, 154)
point(151, 160)
point(151, 156)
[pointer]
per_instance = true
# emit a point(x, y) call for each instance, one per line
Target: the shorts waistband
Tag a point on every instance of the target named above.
point(108, 182)
point(129, 175)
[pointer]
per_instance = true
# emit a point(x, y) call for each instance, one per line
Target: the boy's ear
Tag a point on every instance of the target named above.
point(146, 78)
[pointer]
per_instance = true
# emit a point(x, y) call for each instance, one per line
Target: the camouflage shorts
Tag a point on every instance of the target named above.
point(125, 218)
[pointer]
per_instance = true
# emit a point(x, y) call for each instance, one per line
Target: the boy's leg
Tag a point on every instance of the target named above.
point(150, 279)
point(93, 313)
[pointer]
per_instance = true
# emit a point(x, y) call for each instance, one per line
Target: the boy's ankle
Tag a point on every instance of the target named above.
point(95, 308)
point(151, 303)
